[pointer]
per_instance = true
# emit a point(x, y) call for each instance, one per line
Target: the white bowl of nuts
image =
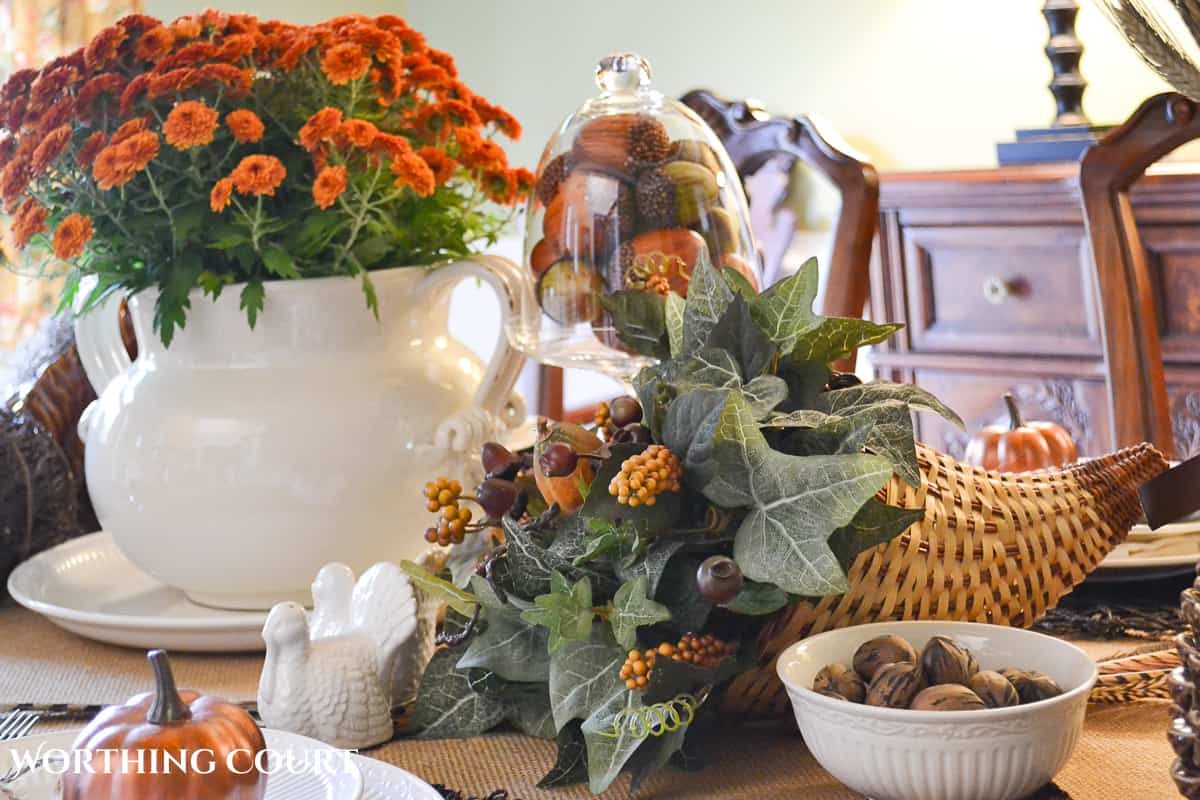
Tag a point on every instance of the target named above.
point(938, 710)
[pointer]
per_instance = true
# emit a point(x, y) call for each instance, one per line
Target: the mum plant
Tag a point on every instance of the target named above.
point(605, 588)
point(219, 149)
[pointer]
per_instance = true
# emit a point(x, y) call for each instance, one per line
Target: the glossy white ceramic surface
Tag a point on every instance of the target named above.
point(236, 462)
point(897, 754)
point(337, 776)
point(88, 587)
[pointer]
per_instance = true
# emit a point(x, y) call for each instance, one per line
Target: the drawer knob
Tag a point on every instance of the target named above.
point(996, 291)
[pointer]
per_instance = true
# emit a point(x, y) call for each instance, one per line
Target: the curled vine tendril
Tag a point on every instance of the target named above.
point(655, 720)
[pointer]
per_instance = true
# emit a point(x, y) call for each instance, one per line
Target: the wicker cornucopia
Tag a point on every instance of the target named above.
point(998, 548)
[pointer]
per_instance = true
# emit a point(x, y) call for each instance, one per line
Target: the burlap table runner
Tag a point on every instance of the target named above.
point(1123, 754)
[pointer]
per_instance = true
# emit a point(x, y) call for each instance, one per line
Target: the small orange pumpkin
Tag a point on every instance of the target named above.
point(1022, 446)
point(587, 445)
point(169, 724)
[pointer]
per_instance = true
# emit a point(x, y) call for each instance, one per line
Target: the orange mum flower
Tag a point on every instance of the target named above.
point(190, 124)
point(177, 80)
point(236, 47)
point(51, 147)
point(258, 175)
point(411, 170)
point(29, 222)
point(106, 169)
point(187, 27)
point(129, 128)
point(154, 43)
point(137, 151)
point(101, 51)
point(437, 119)
point(320, 127)
point(430, 76)
point(329, 185)
point(192, 54)
point(13, 180)
point(105, 83)
point(501, 186)
point(392, 144)
point(296, 50)
point(222, 193)
point(239, 81)
point(357, 132)
point(72, 235)
point(245, 125)
point(442, 165)
point(133, 92)
point(117, 164)
point(344, 63)
point(91, 147)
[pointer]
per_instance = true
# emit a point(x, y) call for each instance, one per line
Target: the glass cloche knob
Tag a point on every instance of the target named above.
point(623, 72)
point(632, 191)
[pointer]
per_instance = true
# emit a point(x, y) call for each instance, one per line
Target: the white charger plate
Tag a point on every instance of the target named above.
point(89, 587)
point(344, 781)
point(1174, 551)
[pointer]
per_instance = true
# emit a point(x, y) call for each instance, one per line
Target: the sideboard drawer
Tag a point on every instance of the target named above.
point(1000, 289)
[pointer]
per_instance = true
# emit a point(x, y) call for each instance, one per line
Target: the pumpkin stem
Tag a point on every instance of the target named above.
point(168, 706)
point(1014, 414)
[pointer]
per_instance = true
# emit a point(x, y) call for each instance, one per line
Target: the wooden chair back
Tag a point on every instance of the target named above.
point(1130, 321)
point(764, 149)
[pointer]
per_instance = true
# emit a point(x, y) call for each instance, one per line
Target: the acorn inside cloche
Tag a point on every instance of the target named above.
point(632, 190)
point(217, 741)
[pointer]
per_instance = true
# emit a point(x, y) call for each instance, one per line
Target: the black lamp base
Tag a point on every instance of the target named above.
point(1048, 145)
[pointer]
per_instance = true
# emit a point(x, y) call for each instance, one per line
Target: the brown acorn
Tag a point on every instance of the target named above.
point(945, 661)
point(670, 253)
point(994, 689)
point(842, 681)
point(880, 651)
point(696, 189)
point(947, 697)
point(648, 141)
point(720, 230)
point(895, 685)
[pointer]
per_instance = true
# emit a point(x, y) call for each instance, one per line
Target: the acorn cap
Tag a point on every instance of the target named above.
point(656, 205)
point(552, 176)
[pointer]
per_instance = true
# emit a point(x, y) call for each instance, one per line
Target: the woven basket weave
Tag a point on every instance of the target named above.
point(992, 548)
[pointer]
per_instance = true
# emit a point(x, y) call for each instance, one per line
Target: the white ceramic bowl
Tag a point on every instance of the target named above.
point(896, 754)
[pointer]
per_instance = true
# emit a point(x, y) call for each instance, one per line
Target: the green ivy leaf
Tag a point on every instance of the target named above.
point(708, 297)
point(570, 765)
point(584, 674)
point(508, 647)
point(609, 743)
point(785, 310)
point(738, 282)
point(844, 402)
point(527, 566)
point(253, 297)
point(655, 752)
point(682, 677)
point(632, 609)
point(757, 599)
point(764, 393)
point(673, 318)
point(875, 523)
point(737, 332)
point(529, 709)
point(464, 558)
point(688, 431)
point(677, 591)
point(280, 263)
point(439, 590)
point(566, 611)
point(640, 320)
point(712, 367)
point(837, 337)
point(794, 503)
point(448, 706)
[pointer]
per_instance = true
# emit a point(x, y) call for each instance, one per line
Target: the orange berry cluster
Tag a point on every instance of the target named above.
point(643, 477)
point(658, 283)
point(704, 651)
point(603, 415)
point(443, 496)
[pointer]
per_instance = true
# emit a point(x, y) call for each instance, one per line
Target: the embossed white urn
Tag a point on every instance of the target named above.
point(236, 462)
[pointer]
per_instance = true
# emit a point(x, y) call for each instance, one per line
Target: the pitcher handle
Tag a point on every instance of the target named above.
point(514, 288)
point(98, 339)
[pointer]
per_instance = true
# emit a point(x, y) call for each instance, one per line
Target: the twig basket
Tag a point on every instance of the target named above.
point(993, 547)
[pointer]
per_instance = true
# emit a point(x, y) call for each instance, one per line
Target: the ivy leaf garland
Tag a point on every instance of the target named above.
point(778, 470)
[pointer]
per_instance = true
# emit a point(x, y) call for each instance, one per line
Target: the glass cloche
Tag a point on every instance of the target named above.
point(632, 189)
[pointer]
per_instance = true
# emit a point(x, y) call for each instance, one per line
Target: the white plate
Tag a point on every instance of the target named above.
point(88, 587)
point(339, 778)
point(1142, 532)
point(384, 782)
point(1177, 551)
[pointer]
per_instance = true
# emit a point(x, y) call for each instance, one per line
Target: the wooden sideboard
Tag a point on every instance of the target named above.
point(991, 270)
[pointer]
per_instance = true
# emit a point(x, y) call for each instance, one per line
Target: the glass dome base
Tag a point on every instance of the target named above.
point(580, 352)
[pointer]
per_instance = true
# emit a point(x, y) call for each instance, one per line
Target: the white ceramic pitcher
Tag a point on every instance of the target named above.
point(236, 462)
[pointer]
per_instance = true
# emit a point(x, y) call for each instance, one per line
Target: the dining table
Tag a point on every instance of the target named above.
point(1123, 753)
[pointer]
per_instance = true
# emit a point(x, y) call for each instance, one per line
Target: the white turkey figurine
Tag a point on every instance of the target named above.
point(333, 675)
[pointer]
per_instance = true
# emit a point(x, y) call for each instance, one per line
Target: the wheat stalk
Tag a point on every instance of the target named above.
point(1144, 30)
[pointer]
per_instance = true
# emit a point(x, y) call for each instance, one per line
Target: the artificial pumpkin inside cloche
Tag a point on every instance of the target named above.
point(633, 189)
point(1021, 446)
point(177, 725)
